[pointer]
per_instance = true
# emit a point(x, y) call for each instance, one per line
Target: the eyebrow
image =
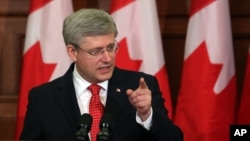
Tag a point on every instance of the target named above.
point(104, 47)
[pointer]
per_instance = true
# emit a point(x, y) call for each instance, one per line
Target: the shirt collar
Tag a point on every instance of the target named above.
point(81, 84)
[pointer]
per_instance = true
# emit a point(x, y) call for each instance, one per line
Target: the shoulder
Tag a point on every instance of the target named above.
point(57, 85)
point(131, 72)
point(46, 87)
point(129, 75)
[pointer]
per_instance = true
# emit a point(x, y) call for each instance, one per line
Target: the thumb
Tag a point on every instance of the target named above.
point(142, 83)
point(129, 92)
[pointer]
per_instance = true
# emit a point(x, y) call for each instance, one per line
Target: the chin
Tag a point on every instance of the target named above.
point(105, 77)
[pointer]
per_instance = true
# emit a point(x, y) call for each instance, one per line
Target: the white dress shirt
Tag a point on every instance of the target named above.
point(83, 96)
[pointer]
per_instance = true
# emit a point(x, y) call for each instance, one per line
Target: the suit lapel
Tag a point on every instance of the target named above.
point(116, 95)
point(67, 99)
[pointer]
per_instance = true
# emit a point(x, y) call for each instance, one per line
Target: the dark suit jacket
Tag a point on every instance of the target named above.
point(53, 112)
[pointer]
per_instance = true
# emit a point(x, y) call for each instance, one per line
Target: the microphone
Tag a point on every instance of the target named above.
point(105, 128)
point(84, 128)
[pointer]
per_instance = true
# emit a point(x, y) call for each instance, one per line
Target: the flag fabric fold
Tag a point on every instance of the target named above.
point(206, 100)
point(44, 55)
point(140, 46)
point(243, 116)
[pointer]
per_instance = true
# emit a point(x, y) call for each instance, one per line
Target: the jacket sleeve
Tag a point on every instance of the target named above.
point(163, 127)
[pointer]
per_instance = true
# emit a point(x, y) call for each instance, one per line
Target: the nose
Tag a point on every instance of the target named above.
point(106, 56)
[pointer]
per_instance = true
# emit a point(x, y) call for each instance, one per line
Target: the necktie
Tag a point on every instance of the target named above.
point(95, 109)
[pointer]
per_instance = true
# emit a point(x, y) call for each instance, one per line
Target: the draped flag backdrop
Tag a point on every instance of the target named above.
point(206, 101)
point(140, 46)
point(44, 55)
point(244, 110)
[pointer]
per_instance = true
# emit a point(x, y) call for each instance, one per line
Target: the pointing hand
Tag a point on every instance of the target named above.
point(141, 99)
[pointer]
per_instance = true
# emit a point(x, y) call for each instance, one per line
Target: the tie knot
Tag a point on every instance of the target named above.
point(95, 89)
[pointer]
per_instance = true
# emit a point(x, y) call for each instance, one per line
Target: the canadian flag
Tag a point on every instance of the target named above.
point(140, 46)
point(206, 101)
point(244, 110)
point(44, 55)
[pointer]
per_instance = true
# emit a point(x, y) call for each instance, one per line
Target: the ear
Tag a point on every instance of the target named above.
point(71, 52)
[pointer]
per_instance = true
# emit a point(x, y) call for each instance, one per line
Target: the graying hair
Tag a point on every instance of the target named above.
point(87, 22)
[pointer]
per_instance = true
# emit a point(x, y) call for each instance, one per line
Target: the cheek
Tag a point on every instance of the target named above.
point(86, 66)
point(87, 63)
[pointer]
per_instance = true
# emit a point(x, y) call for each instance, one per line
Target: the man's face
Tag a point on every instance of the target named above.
point(95, 60)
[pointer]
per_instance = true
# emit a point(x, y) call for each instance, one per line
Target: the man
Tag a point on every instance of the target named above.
point(133, 99)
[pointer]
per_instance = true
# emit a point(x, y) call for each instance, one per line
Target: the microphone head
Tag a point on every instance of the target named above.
point(84, 128)
point(106, 121)
point(105, 127)
point(86, 121)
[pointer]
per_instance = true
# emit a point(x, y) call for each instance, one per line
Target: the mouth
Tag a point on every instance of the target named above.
point(105, 69)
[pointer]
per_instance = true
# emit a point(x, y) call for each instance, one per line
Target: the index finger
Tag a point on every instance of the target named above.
point(143, 83)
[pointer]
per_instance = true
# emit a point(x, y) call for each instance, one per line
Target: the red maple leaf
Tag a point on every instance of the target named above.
point(36, 4)
point(34, 72)
point(123, 59)
point(199, 109)
point(197, 5)
point(118, 4)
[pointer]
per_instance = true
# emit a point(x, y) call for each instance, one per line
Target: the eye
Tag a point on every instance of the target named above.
point(95, 51)
point(110, 48)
